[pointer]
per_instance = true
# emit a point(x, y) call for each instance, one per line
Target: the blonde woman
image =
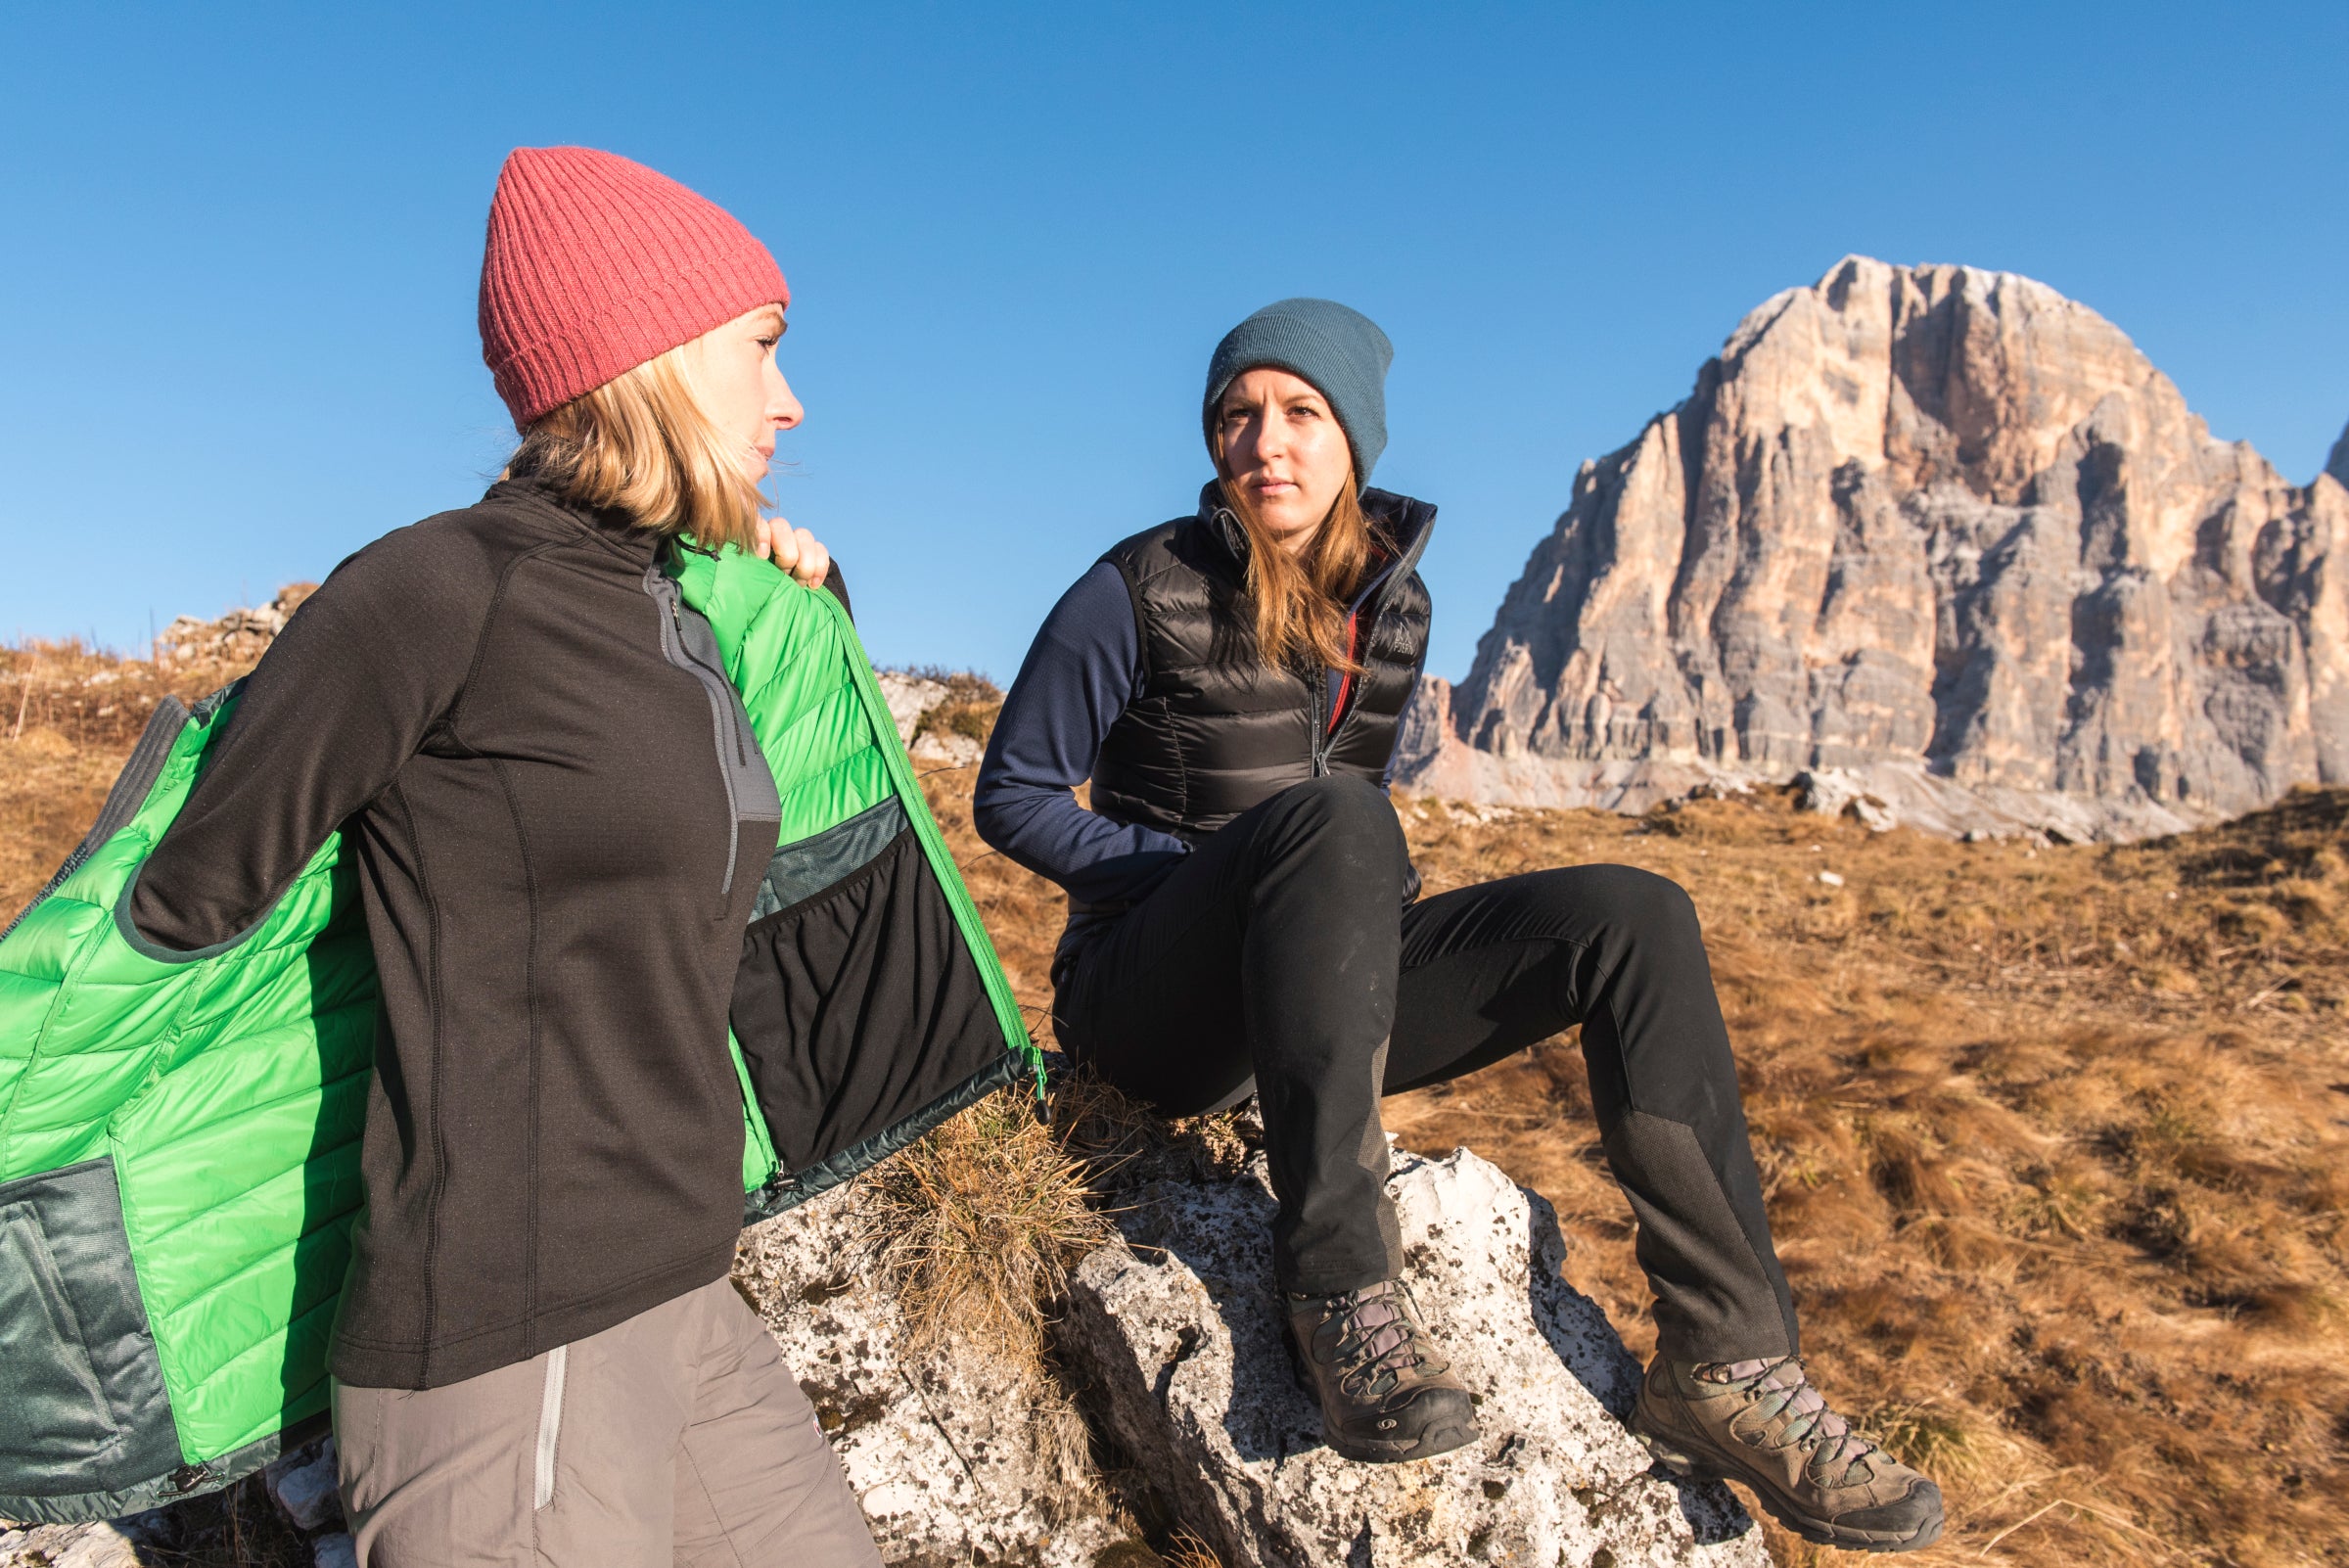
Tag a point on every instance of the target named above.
point(1243, 917)
point(559, 828)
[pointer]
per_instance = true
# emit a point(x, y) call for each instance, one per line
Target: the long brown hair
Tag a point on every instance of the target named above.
point(640, 442)
point(1300, 600)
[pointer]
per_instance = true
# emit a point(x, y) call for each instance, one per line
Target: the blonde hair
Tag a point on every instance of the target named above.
point(640, 443)
point(1300, 600)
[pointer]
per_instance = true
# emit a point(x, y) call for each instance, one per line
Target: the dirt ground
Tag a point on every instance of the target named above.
point(2055, 1136)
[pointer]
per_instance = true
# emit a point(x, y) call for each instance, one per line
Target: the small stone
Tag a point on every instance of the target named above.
point(304, 1482)
point(338, 1550)
point(1831, 878)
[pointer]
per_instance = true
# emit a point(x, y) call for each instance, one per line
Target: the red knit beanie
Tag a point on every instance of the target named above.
point(596, 265)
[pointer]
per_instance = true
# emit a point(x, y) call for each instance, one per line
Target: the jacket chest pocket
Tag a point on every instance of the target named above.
point(688, 645)
point(82, 1404)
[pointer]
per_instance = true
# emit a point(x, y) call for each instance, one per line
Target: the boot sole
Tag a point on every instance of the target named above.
point(1426, 1446)
point(1820, 1532)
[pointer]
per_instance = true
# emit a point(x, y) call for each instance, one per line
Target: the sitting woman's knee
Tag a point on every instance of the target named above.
point(1344, 800)
point(1337, 815)
point(1641, 901)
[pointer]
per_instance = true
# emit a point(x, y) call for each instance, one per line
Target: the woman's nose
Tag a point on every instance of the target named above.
point(1267, 438)
point(783, 409)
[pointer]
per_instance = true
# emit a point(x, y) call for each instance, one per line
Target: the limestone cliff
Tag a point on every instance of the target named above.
point(1945, 533)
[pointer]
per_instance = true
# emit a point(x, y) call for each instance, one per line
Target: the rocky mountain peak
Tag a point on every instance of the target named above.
point(1944, 529)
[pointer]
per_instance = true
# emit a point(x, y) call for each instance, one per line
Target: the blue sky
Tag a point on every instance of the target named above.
point(238, 279)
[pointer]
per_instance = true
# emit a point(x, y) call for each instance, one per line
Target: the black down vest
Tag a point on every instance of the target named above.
point(1214, 731)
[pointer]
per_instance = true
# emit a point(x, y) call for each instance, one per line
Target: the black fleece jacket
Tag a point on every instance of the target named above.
point(557, 839)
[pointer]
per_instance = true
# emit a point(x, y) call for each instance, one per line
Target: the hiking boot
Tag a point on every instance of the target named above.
point(1764, 1423)
point(1387, 1394)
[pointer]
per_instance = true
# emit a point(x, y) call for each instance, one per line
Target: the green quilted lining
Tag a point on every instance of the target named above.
point(230, 1092)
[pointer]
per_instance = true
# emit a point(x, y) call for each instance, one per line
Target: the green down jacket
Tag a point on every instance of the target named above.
point(179, 1143)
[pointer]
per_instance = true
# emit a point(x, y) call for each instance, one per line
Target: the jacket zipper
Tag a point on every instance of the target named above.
point(718, 690)
point(1320, 737)
point(551, 1428)
point(1374, 598)
point(1354, 654)
point(1329, 715)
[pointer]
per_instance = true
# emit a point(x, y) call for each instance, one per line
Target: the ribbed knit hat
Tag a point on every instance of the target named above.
point(1339, 349)
point(595, 264)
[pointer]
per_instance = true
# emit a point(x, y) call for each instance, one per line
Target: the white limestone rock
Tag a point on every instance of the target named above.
point(910, 699)
point(942, 1451)
point(304, 1485)
point(1834, 790)
point(113, 1543)
point(240, 636)
point(1176, 1327)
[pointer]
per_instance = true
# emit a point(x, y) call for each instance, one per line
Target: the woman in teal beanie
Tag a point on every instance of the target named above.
point(1243, 918)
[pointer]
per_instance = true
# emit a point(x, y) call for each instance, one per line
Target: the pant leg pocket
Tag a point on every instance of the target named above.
point(550, 1427)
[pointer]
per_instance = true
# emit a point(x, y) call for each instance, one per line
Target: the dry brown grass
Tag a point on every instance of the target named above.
point(976, 1227)
point(2055, 1137)
point(1188, 1549)
point(69, 716)
point(2055, 1144)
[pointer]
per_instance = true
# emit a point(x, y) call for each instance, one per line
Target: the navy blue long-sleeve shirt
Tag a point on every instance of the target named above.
point(1084, 667)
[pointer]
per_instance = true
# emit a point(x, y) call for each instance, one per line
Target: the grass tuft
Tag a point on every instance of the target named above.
point(976, 1226)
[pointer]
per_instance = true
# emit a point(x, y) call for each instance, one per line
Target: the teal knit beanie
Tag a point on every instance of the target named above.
point(1341, 351)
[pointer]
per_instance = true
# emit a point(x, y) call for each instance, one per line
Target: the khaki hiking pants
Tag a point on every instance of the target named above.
point(676, 1437)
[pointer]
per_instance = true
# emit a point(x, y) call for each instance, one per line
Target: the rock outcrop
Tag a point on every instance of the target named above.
point(118, 1544)
point(952, 1452)
point(916, 702)
point(1175, 1329)
point(1945, 530)
point(241, 636)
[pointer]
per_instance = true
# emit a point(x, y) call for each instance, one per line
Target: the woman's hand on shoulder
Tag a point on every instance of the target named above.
point(796, 550)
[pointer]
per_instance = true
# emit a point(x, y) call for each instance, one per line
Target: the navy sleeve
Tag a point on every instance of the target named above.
point(1084, 667)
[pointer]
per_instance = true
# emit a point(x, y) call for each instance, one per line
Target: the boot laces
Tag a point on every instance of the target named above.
point(1378, 1343)
point(1791, 1408)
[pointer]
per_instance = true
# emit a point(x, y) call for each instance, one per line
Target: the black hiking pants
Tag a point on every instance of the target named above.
point(1280, 952)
